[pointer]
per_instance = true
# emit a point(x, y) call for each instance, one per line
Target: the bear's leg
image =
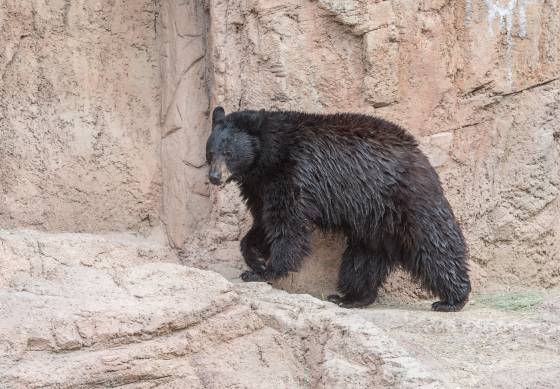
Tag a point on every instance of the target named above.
point(287, 229)
point(362, 272)
point(254, 248)
point(447, 278)
point(286, 253)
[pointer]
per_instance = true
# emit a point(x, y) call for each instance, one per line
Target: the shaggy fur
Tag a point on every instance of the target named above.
point(355, 174)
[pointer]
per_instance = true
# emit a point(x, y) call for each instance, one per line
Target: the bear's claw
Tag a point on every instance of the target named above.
point(334, 298)
point(251, 276)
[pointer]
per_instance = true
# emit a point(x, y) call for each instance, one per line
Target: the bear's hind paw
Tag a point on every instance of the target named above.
point(345, 302)
point(442, 306)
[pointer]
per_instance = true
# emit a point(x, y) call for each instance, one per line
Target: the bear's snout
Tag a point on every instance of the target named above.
point(215, 177)
point(219, 172)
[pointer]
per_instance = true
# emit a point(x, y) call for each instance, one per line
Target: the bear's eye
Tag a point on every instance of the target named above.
point(228, 154)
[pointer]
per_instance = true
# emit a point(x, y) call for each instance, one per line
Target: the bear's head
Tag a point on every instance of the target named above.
point(233, 145)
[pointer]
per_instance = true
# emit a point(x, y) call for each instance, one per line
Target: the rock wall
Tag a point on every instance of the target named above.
point(184, 117)
point(104, 113)
point(476, 81)
point(79, 98)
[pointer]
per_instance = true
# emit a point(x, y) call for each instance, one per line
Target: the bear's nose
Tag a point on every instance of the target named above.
point(215, 177)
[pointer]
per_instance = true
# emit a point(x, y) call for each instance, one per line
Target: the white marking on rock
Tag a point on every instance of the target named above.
point(504, 13)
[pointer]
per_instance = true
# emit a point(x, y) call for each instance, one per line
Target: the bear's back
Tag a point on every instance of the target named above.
point(344, 125)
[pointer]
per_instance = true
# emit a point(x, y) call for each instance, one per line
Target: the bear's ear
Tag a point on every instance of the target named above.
point(218, 116)
point(254, 121)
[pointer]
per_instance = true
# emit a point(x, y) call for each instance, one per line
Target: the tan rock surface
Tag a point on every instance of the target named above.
point(79, 99)
point(26, 253)
point(161, 324)
point(184, 114)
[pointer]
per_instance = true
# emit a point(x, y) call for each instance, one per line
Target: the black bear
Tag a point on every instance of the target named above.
point(354, 174)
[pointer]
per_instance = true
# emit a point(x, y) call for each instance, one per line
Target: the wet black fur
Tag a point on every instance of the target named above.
point(355, 174)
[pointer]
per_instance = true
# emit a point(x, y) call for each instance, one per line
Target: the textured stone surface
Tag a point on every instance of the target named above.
point(25, 253)
point(481, 347)
point(184, 117)
point(150, 324)
point(124, 320)
point(79, 98)
point(155, 324)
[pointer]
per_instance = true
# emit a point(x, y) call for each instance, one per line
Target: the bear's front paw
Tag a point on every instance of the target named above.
point(255, 263)
point(251, 276)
